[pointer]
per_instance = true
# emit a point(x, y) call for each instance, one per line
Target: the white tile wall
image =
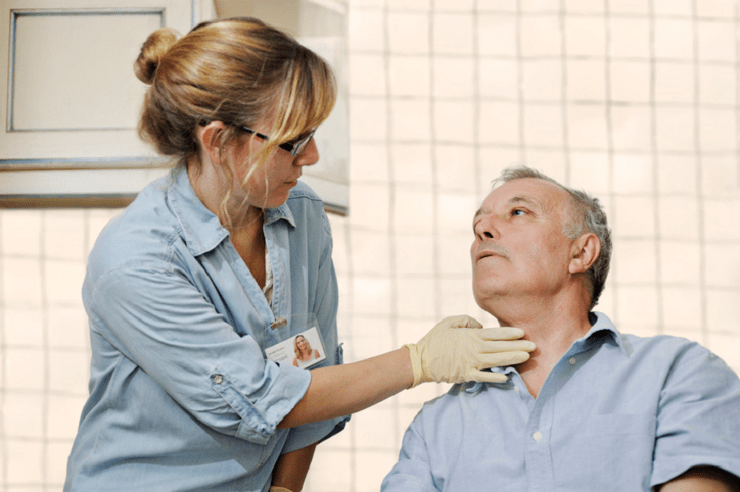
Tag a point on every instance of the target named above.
point(631, 100)
point(635, 103)
point(44, 349)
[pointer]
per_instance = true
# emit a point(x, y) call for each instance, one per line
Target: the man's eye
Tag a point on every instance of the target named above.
point(518, 211)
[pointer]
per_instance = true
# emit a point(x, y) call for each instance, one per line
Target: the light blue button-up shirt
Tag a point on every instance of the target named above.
point(618, 413)
point(182, 397)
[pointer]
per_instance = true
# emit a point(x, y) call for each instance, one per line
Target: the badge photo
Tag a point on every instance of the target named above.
point(303, 350)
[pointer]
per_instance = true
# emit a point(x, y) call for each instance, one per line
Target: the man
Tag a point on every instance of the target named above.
point(592, 409)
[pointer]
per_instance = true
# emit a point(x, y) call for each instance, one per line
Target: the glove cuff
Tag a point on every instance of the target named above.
point(279, 489)
point(415, 364)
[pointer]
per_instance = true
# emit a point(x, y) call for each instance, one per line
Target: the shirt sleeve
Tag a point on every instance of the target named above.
point(412, 473)
point(156, 318)
point(305, 435)
point(325, 307)
point(698, 416)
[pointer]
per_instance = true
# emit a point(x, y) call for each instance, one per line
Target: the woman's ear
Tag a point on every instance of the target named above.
point(584, 252)
point(210, 141)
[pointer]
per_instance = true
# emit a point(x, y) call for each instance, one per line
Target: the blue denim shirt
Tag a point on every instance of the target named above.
point(181, 394)
point(618, 413)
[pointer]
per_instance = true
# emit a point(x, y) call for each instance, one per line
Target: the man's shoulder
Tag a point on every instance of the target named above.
point(670, 346)
point(685, 362)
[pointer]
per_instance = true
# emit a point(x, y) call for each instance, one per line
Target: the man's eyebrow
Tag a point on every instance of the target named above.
point(526, 199)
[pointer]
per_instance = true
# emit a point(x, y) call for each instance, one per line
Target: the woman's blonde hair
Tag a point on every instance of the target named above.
point(236, 71)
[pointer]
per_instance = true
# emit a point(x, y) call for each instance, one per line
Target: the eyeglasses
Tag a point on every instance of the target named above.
point(294, 148)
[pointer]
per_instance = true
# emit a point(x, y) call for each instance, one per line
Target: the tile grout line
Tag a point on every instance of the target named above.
point(610, 153)
point(736, 19)
point(43, 257)
point(3, 358)
point(657, 239)
point(699, 181)
point(392, 256)
point(520, 83)
point(477, 157)
point(434, 192)
point(564, 94)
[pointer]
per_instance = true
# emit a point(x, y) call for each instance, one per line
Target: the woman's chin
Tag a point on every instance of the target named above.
point(278, 198)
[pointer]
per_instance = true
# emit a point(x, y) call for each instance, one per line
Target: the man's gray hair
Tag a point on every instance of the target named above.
point(587, 215)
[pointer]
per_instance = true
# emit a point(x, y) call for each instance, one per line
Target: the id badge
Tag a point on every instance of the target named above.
point(301, 345)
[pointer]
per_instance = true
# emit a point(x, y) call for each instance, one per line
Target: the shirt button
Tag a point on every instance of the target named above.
point(516, 389)
point(572, 360)
point(218, 379)
point(537, 436)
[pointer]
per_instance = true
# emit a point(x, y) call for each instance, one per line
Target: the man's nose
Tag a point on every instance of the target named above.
point(486, 229)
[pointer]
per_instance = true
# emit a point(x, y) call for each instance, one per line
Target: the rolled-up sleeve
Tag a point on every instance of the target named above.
point(323, 302)
point(698, 418)
point(163, 324)
point(305, 435)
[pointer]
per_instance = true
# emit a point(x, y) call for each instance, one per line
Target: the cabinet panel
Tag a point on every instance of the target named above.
point(62, 80)
point(70, 91)
point(70, 99)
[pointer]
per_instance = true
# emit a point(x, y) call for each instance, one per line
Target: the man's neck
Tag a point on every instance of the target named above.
point(553, 328)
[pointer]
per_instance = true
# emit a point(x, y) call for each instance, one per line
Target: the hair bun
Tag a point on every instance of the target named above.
point(152, 51)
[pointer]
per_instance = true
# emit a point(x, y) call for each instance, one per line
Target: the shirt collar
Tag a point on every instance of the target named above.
point(282, 212)
point(602, 331)
point(201, 228)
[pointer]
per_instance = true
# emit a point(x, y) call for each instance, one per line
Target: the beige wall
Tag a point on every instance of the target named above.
point(636, 106)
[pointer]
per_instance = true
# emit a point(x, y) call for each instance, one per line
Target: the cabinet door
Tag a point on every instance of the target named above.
point(71, 98)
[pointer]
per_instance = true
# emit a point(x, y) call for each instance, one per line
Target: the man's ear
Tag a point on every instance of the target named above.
point(208, 138)
point(584, 252)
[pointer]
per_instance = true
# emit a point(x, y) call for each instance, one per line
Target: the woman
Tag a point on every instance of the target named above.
point(305, 355)
point(210, 269)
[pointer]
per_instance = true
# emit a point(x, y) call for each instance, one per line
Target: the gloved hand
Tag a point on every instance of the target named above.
point(458, 348)
point(279, 489)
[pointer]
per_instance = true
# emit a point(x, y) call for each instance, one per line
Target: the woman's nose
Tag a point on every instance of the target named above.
point(309, 156)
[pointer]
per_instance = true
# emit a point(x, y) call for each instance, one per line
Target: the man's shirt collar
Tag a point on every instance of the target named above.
point(602, 331)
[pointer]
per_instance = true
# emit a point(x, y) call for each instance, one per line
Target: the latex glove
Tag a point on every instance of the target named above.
point(279, 489)
point(458, 348)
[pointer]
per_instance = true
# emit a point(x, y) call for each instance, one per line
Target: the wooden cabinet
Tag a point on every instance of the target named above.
point(70, 101)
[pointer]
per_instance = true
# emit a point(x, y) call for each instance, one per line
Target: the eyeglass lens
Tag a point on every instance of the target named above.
point(300, 146)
